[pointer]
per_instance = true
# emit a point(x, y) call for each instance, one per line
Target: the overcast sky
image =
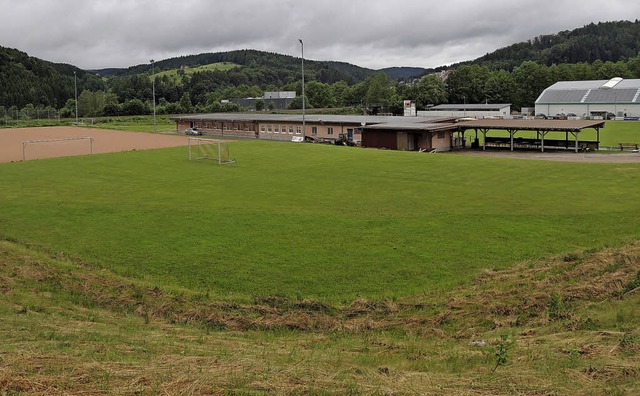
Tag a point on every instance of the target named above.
point(94, 34)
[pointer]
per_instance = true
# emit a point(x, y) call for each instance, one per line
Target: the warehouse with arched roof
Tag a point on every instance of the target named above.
point(596, 99)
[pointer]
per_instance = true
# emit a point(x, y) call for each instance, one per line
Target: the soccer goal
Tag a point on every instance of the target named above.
point(64, 146)
point(210, 149)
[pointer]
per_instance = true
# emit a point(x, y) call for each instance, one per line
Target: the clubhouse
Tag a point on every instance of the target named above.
point(394, 133)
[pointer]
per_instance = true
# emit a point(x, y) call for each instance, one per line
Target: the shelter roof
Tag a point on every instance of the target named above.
point(380, 122)
point(532, 125)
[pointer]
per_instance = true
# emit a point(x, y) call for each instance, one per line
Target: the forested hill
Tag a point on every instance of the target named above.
point(262, 68)
point(605, 41)
point(25, 79)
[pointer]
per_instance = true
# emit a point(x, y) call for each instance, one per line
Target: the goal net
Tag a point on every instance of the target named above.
point(46, 148)
point(210, 149)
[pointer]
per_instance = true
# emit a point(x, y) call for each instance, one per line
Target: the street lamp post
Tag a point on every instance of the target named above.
point(303, 99)
point(75, 86)
point(153, 88)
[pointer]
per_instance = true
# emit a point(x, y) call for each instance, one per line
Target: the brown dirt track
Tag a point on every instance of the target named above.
point(105, 141)
point(564, 156)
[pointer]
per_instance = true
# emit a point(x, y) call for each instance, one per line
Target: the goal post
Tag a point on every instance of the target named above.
point(210, 149)
point(44, 142)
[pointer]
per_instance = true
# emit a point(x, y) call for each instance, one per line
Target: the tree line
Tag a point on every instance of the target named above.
point(205, 91)
point(516, 74)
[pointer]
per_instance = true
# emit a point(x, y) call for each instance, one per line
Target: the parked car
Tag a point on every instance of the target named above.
point(192, 132)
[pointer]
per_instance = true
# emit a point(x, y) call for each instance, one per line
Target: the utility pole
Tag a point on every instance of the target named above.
point(303, 98)
point(75, 85)
point(153, 85)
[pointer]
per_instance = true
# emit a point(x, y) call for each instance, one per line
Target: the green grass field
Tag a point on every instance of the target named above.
point(309, 221)
point(320, 270)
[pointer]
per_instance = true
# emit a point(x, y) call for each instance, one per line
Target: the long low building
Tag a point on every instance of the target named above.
point(395, 133)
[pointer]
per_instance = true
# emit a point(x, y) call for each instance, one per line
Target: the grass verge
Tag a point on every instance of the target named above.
point(70, 329)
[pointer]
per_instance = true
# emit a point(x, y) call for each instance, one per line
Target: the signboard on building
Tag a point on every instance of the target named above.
point(409, 108)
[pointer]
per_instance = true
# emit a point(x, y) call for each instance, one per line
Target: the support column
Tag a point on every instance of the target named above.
point(484, 141)
point(543, 135)
point(576, 134)
point(511, 133)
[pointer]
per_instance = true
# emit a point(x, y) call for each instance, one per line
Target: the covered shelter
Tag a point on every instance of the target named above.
point(570, 128)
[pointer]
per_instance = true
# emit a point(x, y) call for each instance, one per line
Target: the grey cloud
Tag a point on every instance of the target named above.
point(373, 33)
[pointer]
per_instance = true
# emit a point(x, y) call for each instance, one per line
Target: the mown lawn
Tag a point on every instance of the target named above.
point(311, 221)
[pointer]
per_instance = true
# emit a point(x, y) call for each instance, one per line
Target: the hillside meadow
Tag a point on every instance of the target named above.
point(311, 269)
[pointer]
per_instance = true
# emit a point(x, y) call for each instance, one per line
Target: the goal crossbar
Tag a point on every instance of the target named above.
point(25, 143)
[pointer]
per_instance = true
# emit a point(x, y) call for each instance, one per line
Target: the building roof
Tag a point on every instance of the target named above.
point(590, 92)
point(533, 125)
point(369, 122)
point(472, 107)
point(280, 95)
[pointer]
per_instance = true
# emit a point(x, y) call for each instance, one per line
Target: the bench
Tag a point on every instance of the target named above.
point(628, 146)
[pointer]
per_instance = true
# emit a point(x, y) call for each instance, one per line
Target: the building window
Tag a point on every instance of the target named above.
point(330, 131)
point(276, 129)
point(269, 128)
point(440, 135)
point(290, 130)
point(298, 130)
point(314, 131)
point(263, 128)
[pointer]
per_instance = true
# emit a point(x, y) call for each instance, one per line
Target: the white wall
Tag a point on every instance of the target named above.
point(469, 113)
point(582, 110)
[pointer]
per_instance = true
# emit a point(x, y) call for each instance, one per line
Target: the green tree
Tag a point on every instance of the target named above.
point(379, 90)
point(430, 89)
point(69, 109)
point(532, 78)
point(134, 107)
point(338, 91)
point(500, 87)
point(634, 66)
point(185, 103)
point(319, 95)
point(466, 84)
point(609, 70)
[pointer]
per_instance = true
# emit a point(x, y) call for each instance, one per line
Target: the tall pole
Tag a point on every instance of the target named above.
point(153, 85)
point(75, 85)
point(303, 98)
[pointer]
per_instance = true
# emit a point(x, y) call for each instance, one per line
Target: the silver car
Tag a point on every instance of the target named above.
point(192, 132)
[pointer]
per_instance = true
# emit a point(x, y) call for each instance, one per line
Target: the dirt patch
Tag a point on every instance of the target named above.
point(556, 156)
point(104, 141)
